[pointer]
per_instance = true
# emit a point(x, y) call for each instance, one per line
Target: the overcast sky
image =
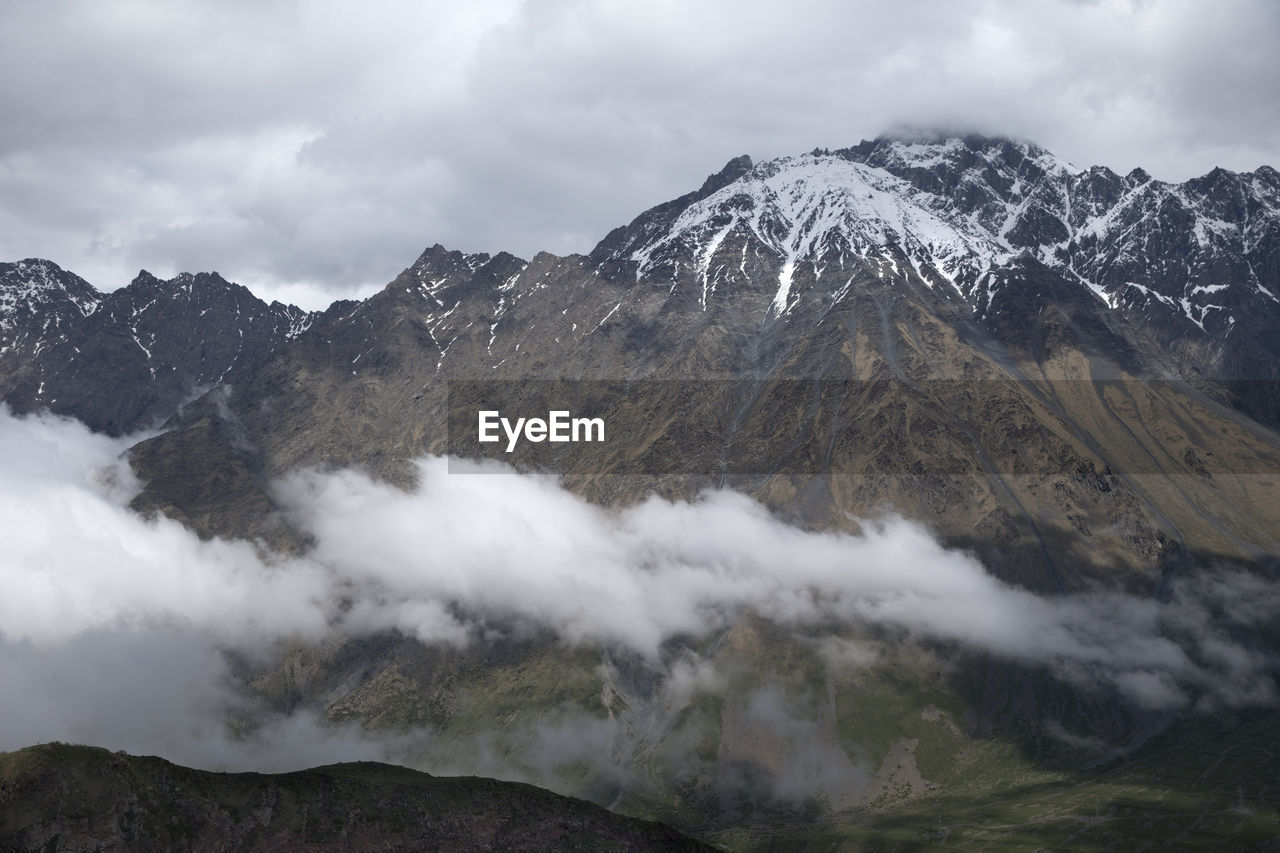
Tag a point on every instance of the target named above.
point(312, 150)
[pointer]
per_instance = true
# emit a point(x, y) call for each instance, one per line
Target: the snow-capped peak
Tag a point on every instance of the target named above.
point(954, 208)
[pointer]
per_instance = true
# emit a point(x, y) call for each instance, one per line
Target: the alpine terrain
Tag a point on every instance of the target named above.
point(1069, 375)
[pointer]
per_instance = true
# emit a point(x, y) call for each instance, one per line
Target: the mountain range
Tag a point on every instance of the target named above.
point(1072, 374)
point(969, 277)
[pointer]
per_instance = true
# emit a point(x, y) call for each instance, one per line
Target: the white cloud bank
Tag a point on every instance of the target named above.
point(75, 559)
point(109, 623)
point(521, 549)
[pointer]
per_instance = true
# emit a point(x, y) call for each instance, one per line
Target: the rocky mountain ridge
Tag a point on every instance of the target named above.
point(959, 207)
point(125, 359)
point(1193, 266)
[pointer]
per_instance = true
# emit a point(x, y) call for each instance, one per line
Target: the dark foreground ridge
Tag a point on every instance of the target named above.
point(62, 797)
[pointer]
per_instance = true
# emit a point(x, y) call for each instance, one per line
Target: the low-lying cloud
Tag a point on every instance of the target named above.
point(111, 624)
point(75, 559)
point(519, 549)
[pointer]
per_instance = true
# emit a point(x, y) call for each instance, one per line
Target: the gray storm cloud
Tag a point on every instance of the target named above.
point(91, 588)
point(311, 152)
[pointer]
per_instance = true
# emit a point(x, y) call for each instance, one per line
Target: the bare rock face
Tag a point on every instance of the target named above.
point(71, 798)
